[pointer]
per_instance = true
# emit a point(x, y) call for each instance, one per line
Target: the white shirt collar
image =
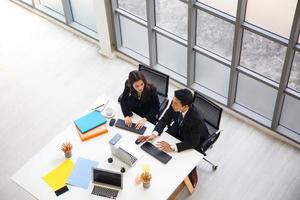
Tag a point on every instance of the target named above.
point(184, 113)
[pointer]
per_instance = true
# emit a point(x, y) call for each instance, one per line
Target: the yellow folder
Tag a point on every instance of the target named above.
point(58, 177)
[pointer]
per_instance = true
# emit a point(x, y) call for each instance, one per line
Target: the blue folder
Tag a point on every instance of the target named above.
point(90, 121)
point(82, 173)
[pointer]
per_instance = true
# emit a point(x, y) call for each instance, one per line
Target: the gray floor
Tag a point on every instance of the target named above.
point(48, 76)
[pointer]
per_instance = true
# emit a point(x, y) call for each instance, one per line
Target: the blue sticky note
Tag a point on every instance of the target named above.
point(90, 121)
point(82, 173)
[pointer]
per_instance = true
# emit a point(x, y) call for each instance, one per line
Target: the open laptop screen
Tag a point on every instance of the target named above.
point(106, 177)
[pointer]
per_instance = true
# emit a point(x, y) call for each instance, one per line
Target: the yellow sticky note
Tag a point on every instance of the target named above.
point(58, 177)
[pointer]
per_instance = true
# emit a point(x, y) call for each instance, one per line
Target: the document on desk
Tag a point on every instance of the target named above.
point(82, 173)
point(58, 177)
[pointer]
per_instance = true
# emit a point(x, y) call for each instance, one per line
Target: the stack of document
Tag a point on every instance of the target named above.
point(91, 125)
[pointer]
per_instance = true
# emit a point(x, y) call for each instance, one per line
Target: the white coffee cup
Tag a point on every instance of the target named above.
point(109, 112)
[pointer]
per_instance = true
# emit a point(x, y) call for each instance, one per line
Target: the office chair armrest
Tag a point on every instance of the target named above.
point(209, 141)
point(205, 145)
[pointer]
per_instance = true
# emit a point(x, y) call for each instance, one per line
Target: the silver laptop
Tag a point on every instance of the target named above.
point(120, 149)
point(106, 183)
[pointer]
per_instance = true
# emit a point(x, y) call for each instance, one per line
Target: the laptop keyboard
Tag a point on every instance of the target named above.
point(156, 153)
point(132, 158)
point(105, 192)
point(121, 124)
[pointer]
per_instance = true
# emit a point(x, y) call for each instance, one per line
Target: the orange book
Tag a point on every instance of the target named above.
point(99, 130)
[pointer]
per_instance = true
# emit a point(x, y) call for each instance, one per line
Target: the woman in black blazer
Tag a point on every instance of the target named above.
point(141, 98)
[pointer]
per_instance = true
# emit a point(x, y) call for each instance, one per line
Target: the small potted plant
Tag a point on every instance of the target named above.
point(67, 149)
point(146, 176)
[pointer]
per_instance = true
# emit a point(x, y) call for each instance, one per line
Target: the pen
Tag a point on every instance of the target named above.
point(98, 106)
point(105, 105)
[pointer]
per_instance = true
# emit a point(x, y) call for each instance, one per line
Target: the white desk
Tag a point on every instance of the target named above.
point(165, 177)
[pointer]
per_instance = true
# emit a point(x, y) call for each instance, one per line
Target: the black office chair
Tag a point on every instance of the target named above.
point(212, 115)
point(161, 82)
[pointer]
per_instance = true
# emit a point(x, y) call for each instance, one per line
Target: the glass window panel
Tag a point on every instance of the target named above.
point(290, 113)
point(172, 15)
point(275, 16)
point(294, 81)
point(255, 96)
point(135, 7)
point(134, 36)
point(212, 75)
point(171, 55)
point(262, 56)
point(84, 13)
point(53, 5)
point(228, 6)
point(215, 34)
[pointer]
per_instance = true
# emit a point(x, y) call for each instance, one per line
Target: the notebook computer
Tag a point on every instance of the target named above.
point(119, 148)
point(106, 183)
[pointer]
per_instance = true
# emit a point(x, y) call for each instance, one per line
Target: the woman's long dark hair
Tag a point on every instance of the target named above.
point(136, 76)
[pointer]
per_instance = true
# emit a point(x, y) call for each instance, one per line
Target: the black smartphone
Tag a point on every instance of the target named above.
point(61, 190)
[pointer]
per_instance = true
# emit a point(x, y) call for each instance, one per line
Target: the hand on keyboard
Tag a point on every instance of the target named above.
point(121, 124)
point(140, 123)
point(164, 146)
point(128, 121)
point(155, 152)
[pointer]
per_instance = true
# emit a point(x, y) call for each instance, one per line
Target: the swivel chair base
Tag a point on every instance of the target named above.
point(213, 166)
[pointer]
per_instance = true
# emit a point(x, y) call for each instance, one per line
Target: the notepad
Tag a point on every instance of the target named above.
point(90, 121)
